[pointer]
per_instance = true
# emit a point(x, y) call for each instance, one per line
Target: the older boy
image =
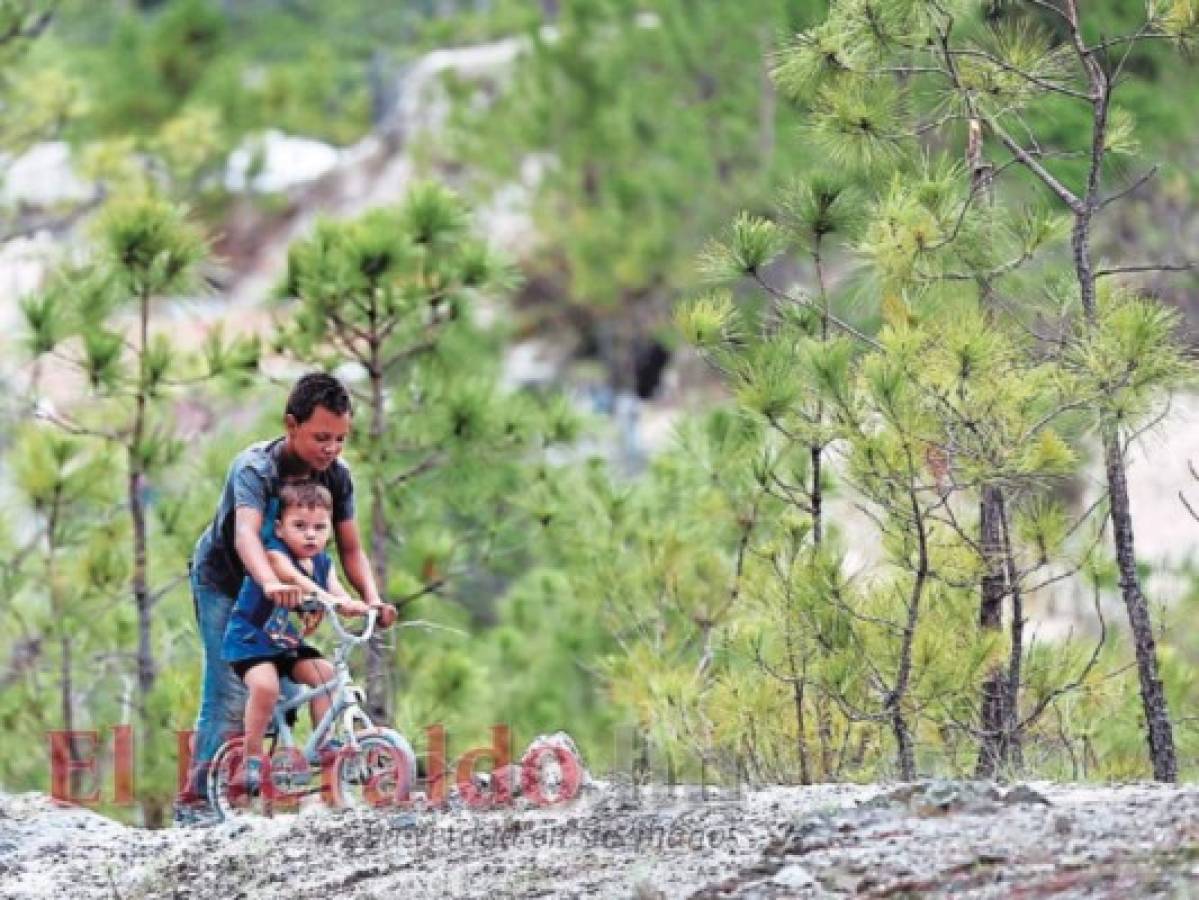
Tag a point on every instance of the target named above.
point(317, 423)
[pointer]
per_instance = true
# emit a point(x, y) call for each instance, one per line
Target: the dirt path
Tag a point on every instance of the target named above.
point(947, 839)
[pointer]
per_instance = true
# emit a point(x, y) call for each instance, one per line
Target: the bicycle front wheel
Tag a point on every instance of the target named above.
point(380, 773)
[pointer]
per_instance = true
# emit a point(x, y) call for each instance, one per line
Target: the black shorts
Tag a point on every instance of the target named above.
point(284, 662)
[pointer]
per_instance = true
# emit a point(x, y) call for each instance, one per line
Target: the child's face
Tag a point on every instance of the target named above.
point(304, 529)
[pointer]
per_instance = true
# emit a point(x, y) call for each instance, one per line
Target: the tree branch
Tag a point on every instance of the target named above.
point(408, 353)
point(73, 428)
point(19, 30)
point(1120, 195)
point(1078, 681)
point(842, 325)
point(1159, 267)
point(1027, 76)
point(159, 594)
point(1026, 159)
point(429, 462)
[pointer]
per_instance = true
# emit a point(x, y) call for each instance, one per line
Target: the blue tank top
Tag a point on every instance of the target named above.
point(257, 627)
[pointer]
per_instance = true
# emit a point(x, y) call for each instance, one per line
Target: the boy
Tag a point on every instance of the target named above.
point(317, 423)
point(262, 641)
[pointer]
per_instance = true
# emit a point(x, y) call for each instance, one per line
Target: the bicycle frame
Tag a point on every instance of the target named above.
point(347, 699)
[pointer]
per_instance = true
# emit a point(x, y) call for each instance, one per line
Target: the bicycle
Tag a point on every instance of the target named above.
point(357, 762)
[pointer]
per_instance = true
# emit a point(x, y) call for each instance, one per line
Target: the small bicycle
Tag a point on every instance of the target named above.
point(353, 762)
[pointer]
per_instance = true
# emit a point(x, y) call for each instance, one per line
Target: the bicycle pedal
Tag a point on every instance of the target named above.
point(287, 779)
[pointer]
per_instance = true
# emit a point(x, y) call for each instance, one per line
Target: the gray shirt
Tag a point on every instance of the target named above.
point(254, 481)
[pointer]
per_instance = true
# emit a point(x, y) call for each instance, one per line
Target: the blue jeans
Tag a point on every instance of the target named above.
point(222, 694)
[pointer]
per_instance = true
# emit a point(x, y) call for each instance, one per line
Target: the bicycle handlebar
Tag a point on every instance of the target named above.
point(315, 603)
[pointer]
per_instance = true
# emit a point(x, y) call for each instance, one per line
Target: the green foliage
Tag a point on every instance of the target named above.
point(43, 315)
point(707, 321)
point(1132, 357)
point(857, 125)
point(54, 613)
point(944, 399)
point(150, 245)
point(753, 243)
point(39, 104)
point(121, 441)
point(629, 109)
point(821, 205)
point(248, 66)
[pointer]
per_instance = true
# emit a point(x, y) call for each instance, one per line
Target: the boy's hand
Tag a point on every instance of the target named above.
point(352, 607)
point(387, 614)
point(282, 594)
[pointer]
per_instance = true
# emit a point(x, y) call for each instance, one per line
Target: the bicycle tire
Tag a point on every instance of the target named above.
point(367, 778)
point(226, 764)
point(232, 802)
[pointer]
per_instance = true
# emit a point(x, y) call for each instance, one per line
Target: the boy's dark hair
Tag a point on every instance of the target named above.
point(317, 389)
point(306, 494)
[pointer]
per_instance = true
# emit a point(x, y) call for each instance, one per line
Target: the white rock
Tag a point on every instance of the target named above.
point(531, 362)
point(42, 177)
point(283, 162)
point(23, 265)
point(794, 877)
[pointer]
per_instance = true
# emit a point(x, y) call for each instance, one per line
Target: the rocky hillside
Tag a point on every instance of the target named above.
point(928, 839)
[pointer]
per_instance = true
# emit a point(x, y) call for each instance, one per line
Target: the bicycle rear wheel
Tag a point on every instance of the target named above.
point(380, 773)
point(286, 780)
point(226, 779)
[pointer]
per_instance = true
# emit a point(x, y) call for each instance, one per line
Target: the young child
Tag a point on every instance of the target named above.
point(262, 641)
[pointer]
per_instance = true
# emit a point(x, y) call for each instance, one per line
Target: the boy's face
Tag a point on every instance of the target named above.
point(304, 529)
point(319, 440)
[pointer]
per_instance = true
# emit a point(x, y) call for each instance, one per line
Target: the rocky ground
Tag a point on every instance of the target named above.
point(933, 838)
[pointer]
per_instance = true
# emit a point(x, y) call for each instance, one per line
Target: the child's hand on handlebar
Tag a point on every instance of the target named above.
point(282, 594)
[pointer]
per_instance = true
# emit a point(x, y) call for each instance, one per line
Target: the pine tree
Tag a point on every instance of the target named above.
point(872, 65)
point(923, 417)
point(99, 321)
point(59, 479)
point(391, 293)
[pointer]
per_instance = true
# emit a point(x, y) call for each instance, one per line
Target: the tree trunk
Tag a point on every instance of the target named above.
point(141, 592)
point(1153, 699)
point(380, 676)
point(66, 707)
point(830, 771)
point(801, 738)
point(1153, 696)
point(1016, 654)
point(997, 695)
point(817, 497)
point(1159, 731)
point(993, 750)
point(904, 748)
point(152, 810)
point(64, 677)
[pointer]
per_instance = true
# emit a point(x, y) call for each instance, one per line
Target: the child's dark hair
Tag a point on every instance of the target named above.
point(305, 494)
point(317, 389)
